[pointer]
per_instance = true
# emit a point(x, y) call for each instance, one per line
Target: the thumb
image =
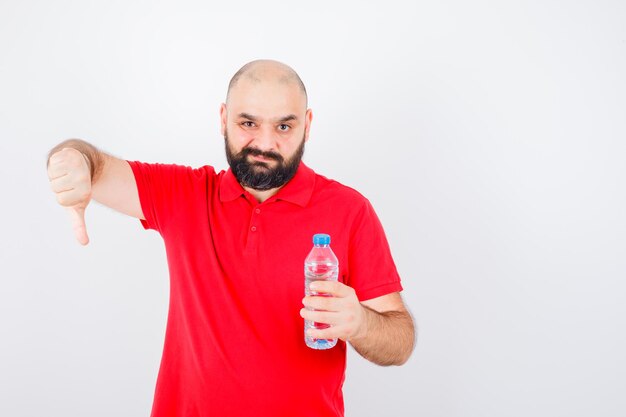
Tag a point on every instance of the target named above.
point(77, 215)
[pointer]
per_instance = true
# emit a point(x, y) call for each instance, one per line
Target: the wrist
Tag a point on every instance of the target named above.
point(362, 330)
point(89, 165)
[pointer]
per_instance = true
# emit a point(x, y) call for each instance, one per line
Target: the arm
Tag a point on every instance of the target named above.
point(388, 333)
point(78, 172)
point(381, 330)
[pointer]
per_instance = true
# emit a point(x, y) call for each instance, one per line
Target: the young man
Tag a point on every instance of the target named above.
point(236, 242)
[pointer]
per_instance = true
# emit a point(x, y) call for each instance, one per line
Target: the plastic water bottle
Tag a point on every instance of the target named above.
point(320, 265)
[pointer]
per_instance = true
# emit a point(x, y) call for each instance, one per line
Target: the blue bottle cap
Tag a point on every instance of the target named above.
point(321, 239)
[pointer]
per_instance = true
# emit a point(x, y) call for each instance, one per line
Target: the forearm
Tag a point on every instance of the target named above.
point(388, 338)
point(95, 158)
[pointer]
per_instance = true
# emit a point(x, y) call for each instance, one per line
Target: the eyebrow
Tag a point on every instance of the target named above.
point(279, 119)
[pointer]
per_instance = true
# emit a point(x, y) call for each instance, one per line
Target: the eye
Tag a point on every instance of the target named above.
point(284, 127)
point(248, 123)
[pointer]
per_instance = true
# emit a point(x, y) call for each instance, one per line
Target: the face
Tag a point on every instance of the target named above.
point(251, 166)
point(265, 125)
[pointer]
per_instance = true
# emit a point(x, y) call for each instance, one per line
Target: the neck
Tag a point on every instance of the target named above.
point(261, 196)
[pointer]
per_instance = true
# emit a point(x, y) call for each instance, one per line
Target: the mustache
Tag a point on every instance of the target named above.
point(257, 152)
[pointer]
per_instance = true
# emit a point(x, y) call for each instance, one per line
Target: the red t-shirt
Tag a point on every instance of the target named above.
point(234, 344)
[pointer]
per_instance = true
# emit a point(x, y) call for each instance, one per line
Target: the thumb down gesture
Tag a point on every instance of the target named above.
point(70, 179)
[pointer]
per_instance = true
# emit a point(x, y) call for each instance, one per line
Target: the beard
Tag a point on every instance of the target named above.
point(257, 174)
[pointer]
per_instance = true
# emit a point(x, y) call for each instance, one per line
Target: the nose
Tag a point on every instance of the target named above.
point(264, 140)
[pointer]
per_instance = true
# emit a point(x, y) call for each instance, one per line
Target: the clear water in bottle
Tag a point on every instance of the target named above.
point(320, 265)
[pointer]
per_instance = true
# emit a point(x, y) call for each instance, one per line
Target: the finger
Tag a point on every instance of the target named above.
point(60, 156)
point(77, 215)
point(61, 184)
point(335, 288)
point(56, 176)
point(321, 316)
point(57, 157)
point(323, 303)
point(332, 332)
point(57, 170)
point(71, 198)
point(66, 158)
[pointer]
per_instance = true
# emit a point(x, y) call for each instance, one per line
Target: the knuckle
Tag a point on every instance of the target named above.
point(69, 157)
point(81, 163)
point(69, 151)
point(85, 195)
point(56, 157)
point(63, 200)
point(68, 199)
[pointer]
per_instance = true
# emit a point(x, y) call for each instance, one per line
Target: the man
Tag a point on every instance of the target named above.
point(236, 243)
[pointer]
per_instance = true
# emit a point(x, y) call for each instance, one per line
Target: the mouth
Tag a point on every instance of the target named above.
point(261, 158)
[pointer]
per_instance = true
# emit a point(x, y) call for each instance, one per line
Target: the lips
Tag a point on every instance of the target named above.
point(261, 158)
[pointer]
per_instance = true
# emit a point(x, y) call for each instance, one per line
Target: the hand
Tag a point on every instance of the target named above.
point(342, 311)
point(70, 180)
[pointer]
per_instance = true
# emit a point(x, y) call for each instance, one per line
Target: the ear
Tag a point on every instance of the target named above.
point(223, 117)
point(308, 118)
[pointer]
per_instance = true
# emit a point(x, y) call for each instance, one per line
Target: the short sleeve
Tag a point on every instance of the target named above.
point(162, 189)
point(371, 269)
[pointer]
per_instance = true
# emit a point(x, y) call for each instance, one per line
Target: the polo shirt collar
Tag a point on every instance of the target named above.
point(298, 190)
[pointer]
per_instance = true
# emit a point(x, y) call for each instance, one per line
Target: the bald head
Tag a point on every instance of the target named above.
point(266, 70)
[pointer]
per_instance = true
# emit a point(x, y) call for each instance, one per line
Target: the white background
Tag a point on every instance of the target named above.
point(489, 136)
